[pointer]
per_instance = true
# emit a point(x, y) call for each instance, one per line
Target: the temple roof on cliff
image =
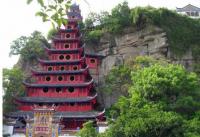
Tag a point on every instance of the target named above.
point(58, 39)
point(59, 85)
point(54, 100)
point(65, 114)
point(41, 72)
point(50, 62)
point(64, 50)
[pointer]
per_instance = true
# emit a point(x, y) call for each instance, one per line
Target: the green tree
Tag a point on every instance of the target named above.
point(30, 48)
point(163, 101)
point(171, 84)
point(12, 86)
point(88, 130)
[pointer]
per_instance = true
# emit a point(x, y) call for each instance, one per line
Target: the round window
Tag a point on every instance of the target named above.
point(50, 68)
point(75, 68)
point(67, 57)
point(62, 68)
point(61, 57)
point(92, 60)
point(48, 78)
point(58, 90)
point(66, 46)
point(45, 90)
point(60, 78)
point(67, 35)
point(71, 89)
point(71, 78)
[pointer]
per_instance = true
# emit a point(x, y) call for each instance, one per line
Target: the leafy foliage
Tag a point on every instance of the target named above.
point(12, 86)
point(53, 11)
point(163, 101)
point(88, 130)
point(30, 48)
point(51, 33)
point(183, 33)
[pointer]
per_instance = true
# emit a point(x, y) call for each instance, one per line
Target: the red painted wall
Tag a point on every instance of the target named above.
point(56, 57)
point(66, 67)
point(62, 107)
point(78, 92)
point(62, 46)
point(55, 79)
point(92, 62)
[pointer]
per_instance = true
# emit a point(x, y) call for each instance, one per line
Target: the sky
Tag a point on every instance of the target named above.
point(18, 18)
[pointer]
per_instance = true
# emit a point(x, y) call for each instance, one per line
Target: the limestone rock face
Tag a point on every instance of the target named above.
point(151, 41)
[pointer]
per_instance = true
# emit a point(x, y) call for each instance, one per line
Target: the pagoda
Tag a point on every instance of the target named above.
point(63, 82)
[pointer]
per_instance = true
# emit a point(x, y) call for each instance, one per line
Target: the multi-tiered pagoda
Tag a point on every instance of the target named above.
point(64, 81)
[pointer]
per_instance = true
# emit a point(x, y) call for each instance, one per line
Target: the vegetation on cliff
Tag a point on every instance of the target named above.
point(162, 101)
point(12, 86)
point(183, 33)
point(29, 47)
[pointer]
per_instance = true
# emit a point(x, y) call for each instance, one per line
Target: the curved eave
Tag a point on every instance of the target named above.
point(55, 100)
point(56, 39)
point(36, 72)
point(88, 114)
point(58, 85)
point(64, 51)
point(50, 62)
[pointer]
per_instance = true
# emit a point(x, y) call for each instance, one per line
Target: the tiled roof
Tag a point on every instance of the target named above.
point(54, 100)
point(189, 7)
point(64, 50)
point(58, 85)
point(39, 72)
point(65, 40)
point(50, 62)
point(65, 114)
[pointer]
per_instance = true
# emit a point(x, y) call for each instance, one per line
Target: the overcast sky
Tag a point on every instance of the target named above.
point(19, 19)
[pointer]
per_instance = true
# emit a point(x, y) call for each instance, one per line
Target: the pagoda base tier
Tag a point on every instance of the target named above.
point(64, 114)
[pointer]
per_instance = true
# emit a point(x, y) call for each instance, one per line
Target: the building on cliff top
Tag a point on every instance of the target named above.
point(189, 10)
point(62, 95)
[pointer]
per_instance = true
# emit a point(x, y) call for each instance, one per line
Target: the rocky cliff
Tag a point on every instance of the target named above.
point(151, 41)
